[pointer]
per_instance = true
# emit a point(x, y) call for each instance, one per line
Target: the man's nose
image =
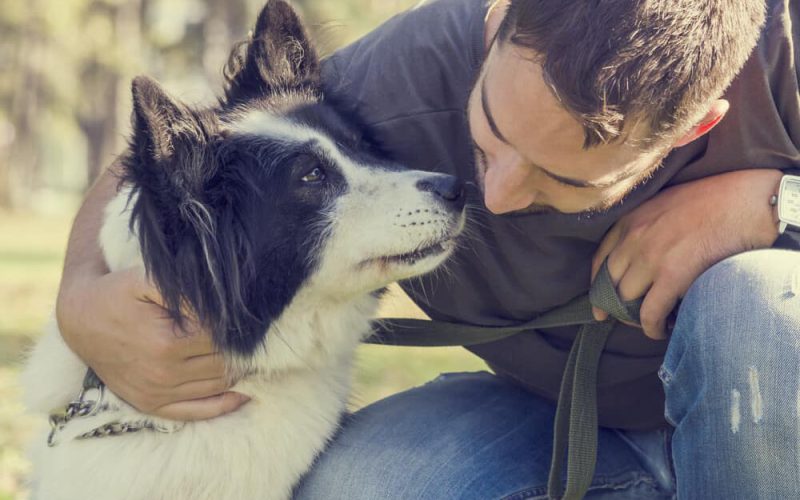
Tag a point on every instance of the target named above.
point(507, 186)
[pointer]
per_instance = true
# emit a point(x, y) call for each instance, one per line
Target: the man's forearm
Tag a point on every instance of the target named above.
point(84, 255)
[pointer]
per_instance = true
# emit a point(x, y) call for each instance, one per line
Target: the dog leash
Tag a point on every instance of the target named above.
point(575, 429)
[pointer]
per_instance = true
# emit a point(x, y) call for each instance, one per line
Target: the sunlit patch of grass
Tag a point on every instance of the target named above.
point(383, 370)
point(31, 255)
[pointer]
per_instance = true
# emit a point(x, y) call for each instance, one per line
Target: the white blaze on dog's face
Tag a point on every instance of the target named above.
point(384, 224)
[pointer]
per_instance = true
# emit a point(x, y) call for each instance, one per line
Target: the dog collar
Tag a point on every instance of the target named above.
point(92, 402)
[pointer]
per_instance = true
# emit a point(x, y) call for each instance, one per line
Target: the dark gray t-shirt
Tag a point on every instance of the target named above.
point(410, 79)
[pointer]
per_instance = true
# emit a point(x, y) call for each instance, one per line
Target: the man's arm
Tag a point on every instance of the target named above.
point(114, 322)
point(659, 249)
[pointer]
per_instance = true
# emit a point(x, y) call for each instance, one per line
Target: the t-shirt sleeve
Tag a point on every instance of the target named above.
point(762, 128)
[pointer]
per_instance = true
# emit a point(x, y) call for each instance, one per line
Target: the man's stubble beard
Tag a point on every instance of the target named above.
point(540, 209)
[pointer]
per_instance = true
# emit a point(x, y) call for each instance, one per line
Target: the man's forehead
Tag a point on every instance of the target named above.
point(529, 115)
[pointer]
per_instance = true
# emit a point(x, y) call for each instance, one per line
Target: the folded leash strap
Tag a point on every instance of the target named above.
point(575, 431)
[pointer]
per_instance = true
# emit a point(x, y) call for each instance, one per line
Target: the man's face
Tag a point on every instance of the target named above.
point(529, 149)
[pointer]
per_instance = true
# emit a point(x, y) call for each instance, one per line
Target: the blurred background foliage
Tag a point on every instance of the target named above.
point(65, 72)
point(66, 67)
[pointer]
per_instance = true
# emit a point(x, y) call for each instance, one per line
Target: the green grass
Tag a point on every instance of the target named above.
point(31, 255)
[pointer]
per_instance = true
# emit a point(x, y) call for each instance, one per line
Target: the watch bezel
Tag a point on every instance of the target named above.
point(782, 216)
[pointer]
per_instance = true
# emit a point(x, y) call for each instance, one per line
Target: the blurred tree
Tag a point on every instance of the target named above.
point(66, 66)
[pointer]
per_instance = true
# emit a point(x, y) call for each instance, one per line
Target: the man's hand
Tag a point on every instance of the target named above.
point(114, 323)
point(662, 246)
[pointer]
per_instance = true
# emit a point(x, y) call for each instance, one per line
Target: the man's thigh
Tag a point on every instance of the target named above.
point(469, 436)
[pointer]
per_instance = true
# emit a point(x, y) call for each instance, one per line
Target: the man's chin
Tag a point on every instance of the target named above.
point(536, 209)
point(541, 209)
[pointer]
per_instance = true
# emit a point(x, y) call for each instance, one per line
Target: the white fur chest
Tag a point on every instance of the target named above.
point(298, 385)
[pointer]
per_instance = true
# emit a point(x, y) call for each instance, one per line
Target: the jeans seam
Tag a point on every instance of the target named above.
point(599, 483)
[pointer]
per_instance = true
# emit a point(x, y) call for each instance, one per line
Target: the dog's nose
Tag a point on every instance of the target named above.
point(446, 187)
point(449, 189)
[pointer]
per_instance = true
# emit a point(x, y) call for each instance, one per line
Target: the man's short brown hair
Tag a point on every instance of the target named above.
point(619, 64)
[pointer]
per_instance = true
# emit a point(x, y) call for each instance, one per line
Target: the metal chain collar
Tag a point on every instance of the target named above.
point(92, 401)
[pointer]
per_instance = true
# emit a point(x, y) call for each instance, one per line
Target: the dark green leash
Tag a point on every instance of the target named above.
point(575, 431)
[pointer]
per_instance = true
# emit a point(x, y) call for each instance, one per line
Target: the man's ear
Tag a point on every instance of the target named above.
point(715, 115)
point(278, 57)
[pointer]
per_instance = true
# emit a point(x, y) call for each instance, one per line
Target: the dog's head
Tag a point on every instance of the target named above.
point(239, 207)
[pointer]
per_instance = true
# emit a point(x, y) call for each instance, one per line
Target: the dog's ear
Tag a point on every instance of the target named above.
point(278, 57)
point(169, 166)
point(160, 123)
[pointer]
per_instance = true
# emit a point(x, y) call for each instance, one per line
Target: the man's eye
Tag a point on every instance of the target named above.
point(315, 175)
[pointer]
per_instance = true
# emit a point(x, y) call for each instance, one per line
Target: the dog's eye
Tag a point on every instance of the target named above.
point(315, 175)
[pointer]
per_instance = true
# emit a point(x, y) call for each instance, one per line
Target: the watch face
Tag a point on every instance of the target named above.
point(789, 200)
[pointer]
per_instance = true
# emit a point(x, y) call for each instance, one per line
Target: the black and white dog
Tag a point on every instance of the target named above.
point(269, 219)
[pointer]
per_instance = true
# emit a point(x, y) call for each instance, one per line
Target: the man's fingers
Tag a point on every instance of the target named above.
point(656, 308)
point(617, 268)
point(599, 314)
point(606, 246)
point(170, 340)
point(200, 389)
point(196, 342)
point(150, 398)
point(632, 285)
point(202, 409)
point(635, 283)
point(202, 367)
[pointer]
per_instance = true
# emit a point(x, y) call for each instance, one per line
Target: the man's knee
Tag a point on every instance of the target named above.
point(742, 301)
point(739, 320)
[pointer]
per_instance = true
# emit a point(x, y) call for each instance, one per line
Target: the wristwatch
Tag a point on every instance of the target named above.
point(788, 204)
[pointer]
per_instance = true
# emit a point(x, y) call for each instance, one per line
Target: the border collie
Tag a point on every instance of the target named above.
point(269, 218)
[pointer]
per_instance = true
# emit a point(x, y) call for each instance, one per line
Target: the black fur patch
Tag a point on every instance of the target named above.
point(229, 229)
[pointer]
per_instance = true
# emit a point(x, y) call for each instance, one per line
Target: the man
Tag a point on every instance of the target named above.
point(589, 131)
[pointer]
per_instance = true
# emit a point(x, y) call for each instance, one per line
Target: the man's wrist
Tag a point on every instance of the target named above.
point(766, 222)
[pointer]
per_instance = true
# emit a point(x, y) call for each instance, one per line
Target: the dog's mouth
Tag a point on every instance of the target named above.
point(412, 258)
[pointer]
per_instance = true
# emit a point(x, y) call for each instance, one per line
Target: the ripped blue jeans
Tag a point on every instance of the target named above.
point(732, 382)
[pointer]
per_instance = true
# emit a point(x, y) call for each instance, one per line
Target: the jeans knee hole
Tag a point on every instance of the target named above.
point(665, 375)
